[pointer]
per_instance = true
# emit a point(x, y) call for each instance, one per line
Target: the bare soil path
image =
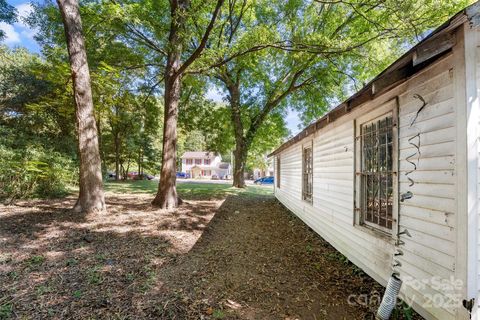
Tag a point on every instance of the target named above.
point(244, 257)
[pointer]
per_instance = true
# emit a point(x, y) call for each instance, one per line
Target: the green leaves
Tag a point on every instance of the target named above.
point(8, 14)
point(32, 171)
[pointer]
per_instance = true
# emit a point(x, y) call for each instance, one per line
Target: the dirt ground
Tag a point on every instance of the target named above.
point(245, 257)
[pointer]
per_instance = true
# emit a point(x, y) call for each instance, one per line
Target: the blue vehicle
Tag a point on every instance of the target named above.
point(183, 175)
point(264, 180)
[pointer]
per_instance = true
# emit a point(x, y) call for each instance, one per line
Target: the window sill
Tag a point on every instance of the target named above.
point(382, 235)
point(310, 202)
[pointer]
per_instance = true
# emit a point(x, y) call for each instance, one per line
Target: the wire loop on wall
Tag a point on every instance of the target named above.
point(415, 142)
point(419, 97)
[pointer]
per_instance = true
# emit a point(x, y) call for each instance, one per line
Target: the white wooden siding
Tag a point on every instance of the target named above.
point(473, 146)
point(478, 164)
point(429, 217)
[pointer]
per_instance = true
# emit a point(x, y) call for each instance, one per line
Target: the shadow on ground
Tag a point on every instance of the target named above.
point(245, 257)
point(258, 261)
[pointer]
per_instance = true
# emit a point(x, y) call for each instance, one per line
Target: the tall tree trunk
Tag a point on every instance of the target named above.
point(166, 197)
point(240, 153)
point(91, 197)
point(241, 144)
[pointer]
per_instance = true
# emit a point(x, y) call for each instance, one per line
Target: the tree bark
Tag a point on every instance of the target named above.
point(241, 144)
point(117, 155)
point(91, 196)
point(100, 144)
point(167, 197)
point(240, 153)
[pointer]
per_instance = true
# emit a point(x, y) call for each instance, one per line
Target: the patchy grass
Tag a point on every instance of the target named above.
point(188, 190)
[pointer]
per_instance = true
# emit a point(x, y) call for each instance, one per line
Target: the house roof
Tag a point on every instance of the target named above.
point(423, 54)
point(199, 155)
point(224, 165)
point(203, 167)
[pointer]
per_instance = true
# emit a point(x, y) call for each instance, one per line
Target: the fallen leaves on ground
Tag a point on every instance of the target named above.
point(246, 257)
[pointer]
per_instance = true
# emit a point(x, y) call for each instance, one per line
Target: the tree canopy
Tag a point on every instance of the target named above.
point(8, 14)
point(265, 57)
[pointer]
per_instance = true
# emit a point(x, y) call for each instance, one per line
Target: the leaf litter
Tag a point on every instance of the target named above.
point(243, 257)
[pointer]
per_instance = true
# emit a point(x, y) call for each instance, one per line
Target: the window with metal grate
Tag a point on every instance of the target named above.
point(307, 176)
point(377, 174)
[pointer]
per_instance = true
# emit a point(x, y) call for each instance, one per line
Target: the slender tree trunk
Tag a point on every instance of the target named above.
point(117, 156)
point(141, 162)
point(140, 169)
point(126, 170)
point(100, 145)
point(91, 197)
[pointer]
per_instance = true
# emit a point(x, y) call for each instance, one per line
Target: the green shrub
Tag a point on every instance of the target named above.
point(34, 172)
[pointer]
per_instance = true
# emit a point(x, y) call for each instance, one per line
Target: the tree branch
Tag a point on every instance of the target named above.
point(139, 36)
point(204, 40)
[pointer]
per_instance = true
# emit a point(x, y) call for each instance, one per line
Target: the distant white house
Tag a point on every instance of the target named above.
point(265, 172)
point(199, 164)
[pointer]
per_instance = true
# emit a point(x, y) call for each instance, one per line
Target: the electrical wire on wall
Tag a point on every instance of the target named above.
point(394, 283)
point(414, 160)
point(415, 142)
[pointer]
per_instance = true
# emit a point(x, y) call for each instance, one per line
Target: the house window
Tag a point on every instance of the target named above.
point(206, 162)
point(377, 173)
point(307, 174)
point(278, 172)
point(189, 161)
point(198, 161)
point(208, 172)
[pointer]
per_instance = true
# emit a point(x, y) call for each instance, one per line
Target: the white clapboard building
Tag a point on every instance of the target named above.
point(391, 176)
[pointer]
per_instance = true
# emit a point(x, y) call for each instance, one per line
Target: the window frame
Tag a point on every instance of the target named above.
point(306, 146)
point(198, 162)
point(390, 108)
point(206, 162)
point(189, 161)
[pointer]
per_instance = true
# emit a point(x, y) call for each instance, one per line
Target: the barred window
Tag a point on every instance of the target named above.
point(377, 176)
point(307, 174)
